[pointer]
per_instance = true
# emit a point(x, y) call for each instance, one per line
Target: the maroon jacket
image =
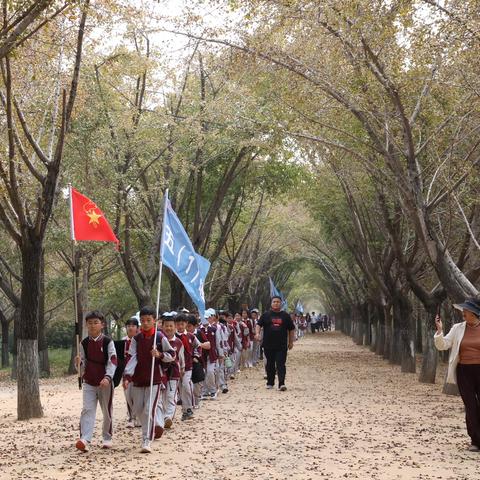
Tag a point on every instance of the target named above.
point(138, 368)
point(172, 369)
point(212, 354)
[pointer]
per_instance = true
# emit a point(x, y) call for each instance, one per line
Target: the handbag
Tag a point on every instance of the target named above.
point(228, 362)
point(198, 373)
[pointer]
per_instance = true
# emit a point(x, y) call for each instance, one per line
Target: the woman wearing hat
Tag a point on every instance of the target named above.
point(463, 340)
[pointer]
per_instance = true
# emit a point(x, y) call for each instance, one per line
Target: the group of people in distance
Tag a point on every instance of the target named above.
point(175, 359)
point(319, 323)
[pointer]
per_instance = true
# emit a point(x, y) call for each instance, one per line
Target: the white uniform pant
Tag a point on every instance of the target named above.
point(197, 393)
point(186, 391)
point(92, 395)
point(141, 404)
point(210, 385)
point(256, 352)
point(128, 398)
point(220, 376)
point(236, 363)
point(169, 401)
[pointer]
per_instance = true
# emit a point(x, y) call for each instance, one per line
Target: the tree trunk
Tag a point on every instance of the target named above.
point(28, 391)
point(5, 336)
point(407, 335)
point(428, 370)
point(380, 331)
point(43, 363)
point(387, 349)
point(16, 320)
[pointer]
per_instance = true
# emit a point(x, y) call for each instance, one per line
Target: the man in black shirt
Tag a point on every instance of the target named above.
point(278, 335)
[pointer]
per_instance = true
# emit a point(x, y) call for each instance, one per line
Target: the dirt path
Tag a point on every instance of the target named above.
point(346, 414)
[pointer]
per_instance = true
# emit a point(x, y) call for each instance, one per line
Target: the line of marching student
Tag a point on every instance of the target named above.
point(192, 362)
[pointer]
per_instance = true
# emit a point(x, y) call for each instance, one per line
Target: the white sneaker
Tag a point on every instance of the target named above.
point(269, 387)
point(130, 424)
point(107, 444)
point(146, 448)
point(137, 423)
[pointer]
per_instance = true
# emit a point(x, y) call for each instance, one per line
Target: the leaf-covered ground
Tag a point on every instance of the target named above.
point(346, 414)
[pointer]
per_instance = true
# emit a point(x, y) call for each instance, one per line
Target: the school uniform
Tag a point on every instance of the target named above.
point(98, 361)
point(211, 361)
point(173, 374)
point(190, 343)
point(128, 391)
point(138, 371)
point(221, 341)
point(198, 357)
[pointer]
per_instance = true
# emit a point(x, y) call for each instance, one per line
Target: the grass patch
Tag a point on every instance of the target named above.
point(59, 359)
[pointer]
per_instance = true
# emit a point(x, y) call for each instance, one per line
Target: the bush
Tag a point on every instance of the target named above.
point(60, 334)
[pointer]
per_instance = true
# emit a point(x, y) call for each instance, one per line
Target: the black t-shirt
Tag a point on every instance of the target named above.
point(275, 329)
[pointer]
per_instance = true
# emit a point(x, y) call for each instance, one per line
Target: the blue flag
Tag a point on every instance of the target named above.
point(178, 254)
point(299, 307)
point(274, 292)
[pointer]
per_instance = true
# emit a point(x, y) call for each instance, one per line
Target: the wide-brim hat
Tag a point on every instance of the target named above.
point(470, 304)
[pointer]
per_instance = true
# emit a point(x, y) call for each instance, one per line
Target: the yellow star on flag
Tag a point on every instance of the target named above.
point(93, 216)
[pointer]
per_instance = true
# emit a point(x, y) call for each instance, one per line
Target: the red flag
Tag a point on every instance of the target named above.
point(88, 221)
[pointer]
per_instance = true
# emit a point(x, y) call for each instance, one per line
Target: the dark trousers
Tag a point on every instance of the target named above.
point(276, 364)
point(468, 380)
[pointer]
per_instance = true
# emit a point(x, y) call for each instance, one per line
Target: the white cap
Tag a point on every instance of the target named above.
point(210, 312)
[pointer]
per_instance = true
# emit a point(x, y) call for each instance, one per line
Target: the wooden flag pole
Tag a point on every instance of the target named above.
point(75, 294)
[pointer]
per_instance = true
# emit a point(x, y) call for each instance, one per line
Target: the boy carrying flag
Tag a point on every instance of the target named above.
point(138, 371)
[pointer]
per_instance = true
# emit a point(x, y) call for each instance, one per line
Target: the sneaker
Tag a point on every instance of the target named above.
point(184, 416)
point(158, 432)
point(205, 396)
point(225, 390)
point(269, 387)
point(168, 423)
point(130, 424)
point(82, 445)
point(213, 396)
point(146, 447)
point(137, 423)
point(265, 377)
point(473, 448)
point(179, 401)
point(232, 377)
point(189, 413)
point(282, 388)
point(107, 444)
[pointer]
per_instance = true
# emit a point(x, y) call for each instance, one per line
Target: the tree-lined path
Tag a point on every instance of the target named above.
point(347, 414)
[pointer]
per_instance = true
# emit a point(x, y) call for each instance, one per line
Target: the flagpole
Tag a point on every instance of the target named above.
point(75, 305)
point(150, 413)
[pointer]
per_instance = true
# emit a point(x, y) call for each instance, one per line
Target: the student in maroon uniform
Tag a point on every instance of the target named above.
point(174, 371)
point(132, 327)
point(190, 344)
point(198, 365)
point(97, 361)
point(278, 335)
point(210, 356)
point(138, 371)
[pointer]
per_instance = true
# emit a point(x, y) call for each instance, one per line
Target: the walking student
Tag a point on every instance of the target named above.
point(278, 336)
point(138, 371)
point(97, 361)
point(463, 340)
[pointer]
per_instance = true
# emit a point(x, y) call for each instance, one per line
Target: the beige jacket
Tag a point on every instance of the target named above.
point(451, 341)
